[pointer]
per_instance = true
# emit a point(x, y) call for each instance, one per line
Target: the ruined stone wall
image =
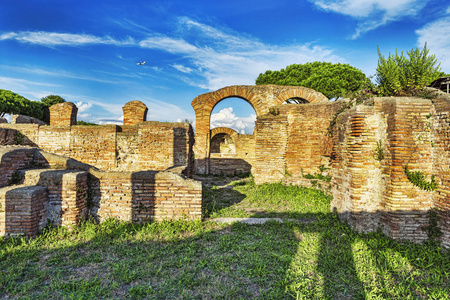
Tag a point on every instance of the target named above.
point(94, 145)
point(293, 143)
point(64, 195)
point(441, 159)
point(145, 196)
point(147, 146)
point(370, 191)
point(260, 97)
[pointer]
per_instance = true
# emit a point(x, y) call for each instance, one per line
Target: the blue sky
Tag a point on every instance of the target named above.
point(87, 51)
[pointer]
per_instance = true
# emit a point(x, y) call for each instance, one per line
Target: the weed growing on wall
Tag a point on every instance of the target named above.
point(418, 178)
point(19, 137)
point(274, 111)
point(379, 151)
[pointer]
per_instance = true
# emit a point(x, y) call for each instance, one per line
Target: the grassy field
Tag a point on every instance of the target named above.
point(318, 259)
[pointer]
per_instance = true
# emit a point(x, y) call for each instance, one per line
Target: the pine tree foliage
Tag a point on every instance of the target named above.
point(332, 80)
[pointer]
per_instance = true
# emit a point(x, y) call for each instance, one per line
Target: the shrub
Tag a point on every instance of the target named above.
point(398, 75)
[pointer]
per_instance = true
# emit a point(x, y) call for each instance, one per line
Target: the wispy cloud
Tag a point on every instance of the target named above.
point(222, 58)
point(51, 39)
point(372, 13)
point(182, 68)
point(172, 45)
point(213, 57)
point(437, 36)
point(59, 73)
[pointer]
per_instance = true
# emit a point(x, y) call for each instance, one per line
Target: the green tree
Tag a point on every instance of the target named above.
point(12, 103)
point(332, 80)
point(52, 100)
point(81, 122)
point(401, 75)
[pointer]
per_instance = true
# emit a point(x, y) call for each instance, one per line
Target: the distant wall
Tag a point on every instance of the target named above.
point(147, 146)
point(235, 158)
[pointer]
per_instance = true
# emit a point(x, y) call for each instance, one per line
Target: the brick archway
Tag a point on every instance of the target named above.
point(309, 95)
point(260, 97)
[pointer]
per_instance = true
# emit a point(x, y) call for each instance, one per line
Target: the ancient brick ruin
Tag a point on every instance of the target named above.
point(139, 171)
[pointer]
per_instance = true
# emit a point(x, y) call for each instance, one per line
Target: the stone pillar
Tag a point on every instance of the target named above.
point(134, 112)
point(63, 114)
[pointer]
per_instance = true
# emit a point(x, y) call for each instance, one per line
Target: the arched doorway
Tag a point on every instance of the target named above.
point(261, 98)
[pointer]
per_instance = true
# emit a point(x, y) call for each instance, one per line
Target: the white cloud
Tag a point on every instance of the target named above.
point(171, 45)
point(227, 118)
point(372, 13)
point(182, 68)
point(52, 39)
point(437, 37)
point(213, 59)
point(224, 59)
point(83, 107)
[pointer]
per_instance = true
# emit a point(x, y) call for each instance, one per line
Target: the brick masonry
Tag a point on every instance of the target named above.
point(147, 146)
point(65, 193)
point(134, 112)
point(63, 114)
point(260, 97)
point(22, 210)
point(231, 153)
point(368, 192)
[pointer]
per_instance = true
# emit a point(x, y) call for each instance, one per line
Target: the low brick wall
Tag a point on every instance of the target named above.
point(144, 196)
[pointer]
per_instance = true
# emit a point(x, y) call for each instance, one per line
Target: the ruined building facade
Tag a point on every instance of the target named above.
point(365, 148)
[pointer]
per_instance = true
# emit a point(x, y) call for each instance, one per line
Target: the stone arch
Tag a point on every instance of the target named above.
point(218, 131)
point(260, 97)
point(308, 94)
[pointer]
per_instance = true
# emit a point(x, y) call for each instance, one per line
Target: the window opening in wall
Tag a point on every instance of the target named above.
point(234, 113)
point(296, 100)
point(223, 143)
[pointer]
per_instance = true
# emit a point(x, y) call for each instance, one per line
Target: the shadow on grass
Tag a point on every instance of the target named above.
point(319, 258)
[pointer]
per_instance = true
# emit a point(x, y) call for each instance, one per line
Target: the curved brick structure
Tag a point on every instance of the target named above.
point(63, 114)
point(134, 112)
point(260, 97)
point(236, 158)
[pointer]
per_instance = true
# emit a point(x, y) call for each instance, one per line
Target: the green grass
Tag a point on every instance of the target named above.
point(205, 260)
point(245, 199)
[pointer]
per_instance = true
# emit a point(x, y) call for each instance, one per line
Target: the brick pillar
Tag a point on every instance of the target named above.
point(63, 114)
point(134, 112)
point(22, 210)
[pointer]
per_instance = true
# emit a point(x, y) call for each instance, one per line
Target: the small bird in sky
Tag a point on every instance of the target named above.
point(141, 63)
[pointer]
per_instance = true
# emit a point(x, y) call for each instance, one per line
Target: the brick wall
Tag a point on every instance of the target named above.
point(13, 158)
point(147, 146)
point(145, 196)
point(22, 210)
point(235, 158)
point(271, 136)
point(441, 159)
point(357, 183)
point(94, 145)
